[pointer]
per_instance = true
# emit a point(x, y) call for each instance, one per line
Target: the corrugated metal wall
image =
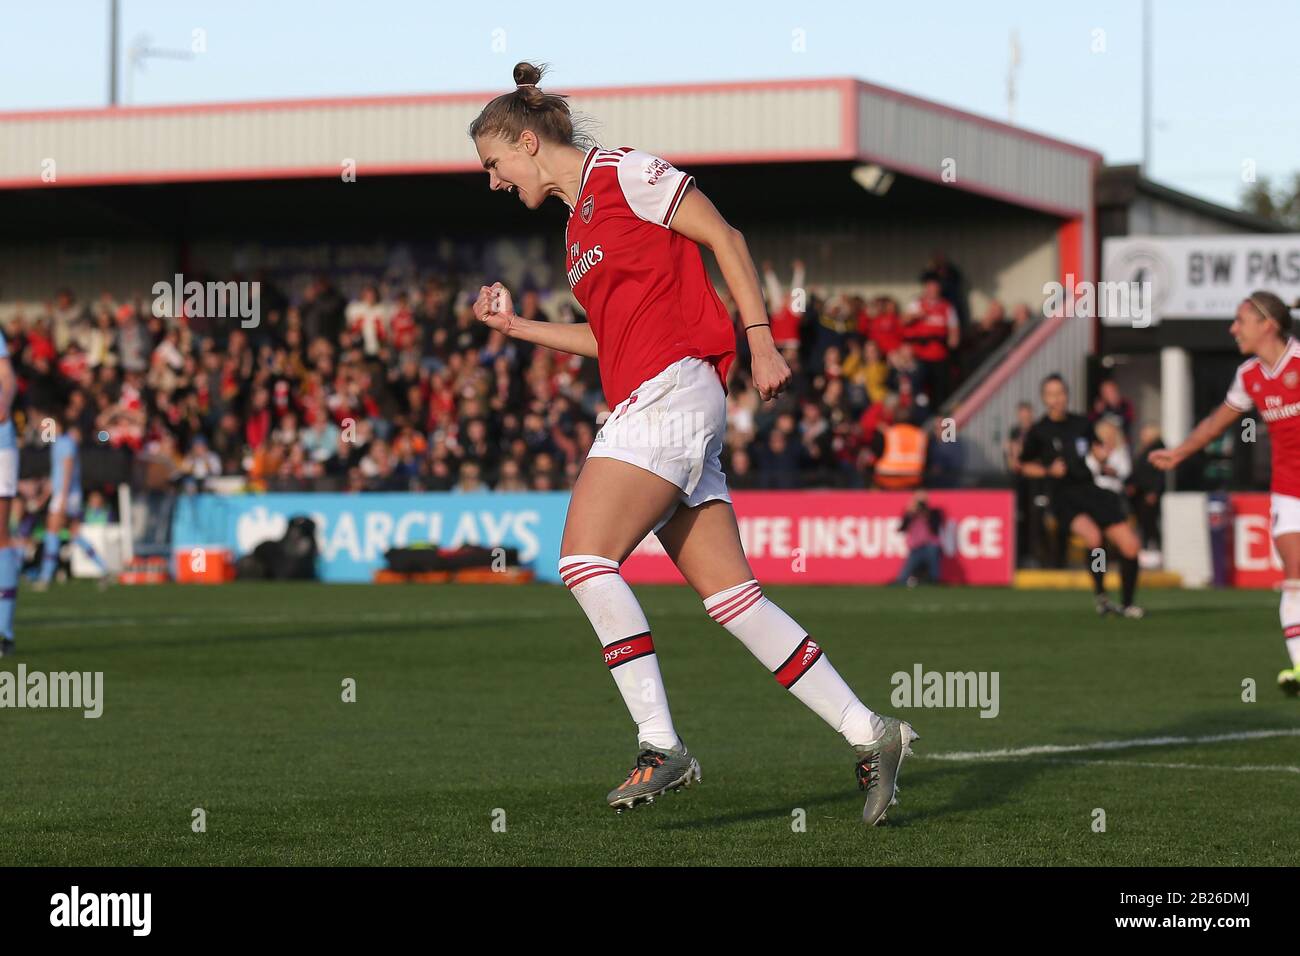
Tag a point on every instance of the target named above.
point(919, 140)
point(1007, 258)
point(31, 273)
point(408, 134)
point(755, 122)
point(228, 143)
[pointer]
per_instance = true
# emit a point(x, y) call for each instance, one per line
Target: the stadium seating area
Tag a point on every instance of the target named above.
point(402, 389)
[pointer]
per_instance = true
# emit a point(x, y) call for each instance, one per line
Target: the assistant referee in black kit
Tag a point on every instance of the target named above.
point(1056, 448)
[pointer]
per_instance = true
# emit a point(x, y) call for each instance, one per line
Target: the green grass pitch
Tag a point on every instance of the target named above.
point(477, 699)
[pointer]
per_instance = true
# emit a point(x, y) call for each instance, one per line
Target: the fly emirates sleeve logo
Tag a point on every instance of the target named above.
point(583, 262)
point(655, 169)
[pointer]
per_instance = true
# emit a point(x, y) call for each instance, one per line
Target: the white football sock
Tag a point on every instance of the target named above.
point(794, 659)
point(1291, 618)
point(621, 626)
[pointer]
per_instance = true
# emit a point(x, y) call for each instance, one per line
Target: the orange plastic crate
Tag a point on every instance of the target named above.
point(217, 566)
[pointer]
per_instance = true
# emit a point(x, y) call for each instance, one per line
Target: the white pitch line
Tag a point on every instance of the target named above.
point(1044, 749)
point(1248, 767)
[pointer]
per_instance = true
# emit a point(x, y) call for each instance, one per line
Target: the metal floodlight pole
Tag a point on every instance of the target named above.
point(1146, 87)
point(113, 27)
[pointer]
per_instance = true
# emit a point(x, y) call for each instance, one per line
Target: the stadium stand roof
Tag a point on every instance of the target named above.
point(1120, 188)
point(703, 123)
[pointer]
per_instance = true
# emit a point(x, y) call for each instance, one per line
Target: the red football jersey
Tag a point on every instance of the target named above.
point(785, 327)
point(886, 330)
point(1276, 393)
point(643, 286)
point(928, 334)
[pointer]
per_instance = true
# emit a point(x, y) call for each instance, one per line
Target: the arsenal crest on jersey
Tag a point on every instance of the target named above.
point(588, 207)
point(1291, 378)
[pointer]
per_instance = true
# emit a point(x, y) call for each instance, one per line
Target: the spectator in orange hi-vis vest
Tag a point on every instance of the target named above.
point(903, 462)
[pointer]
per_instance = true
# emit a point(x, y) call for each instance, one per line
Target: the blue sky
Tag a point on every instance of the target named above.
point(1227, 74)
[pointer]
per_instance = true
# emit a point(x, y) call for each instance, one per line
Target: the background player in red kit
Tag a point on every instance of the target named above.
point(664, 343)
point(1270, 383)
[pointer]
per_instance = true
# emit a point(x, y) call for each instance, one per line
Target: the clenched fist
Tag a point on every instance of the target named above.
point(771, 374)
point(494, 308)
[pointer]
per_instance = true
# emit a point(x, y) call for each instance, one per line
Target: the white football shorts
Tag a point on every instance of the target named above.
point(8, 472)
point(1285, 514)
point(673, 425)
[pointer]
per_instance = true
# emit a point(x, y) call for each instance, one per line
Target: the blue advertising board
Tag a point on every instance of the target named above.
point(354, 531)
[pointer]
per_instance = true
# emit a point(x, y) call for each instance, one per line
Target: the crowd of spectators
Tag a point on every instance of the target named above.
point(400, 388)
point(862, 365)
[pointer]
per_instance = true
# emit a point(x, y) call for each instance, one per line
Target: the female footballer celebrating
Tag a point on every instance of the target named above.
point(1270, 382)
point(664, 343)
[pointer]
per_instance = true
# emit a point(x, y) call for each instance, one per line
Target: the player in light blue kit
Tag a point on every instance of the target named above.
point(10, 559)
point(65, 504)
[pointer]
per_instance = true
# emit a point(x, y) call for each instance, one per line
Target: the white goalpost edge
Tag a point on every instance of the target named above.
point(124, 523)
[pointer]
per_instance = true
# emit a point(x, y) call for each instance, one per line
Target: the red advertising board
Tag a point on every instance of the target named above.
point(1254, 562)
point(853, 537)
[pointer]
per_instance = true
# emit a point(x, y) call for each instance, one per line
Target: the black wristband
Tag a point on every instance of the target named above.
point(759, 325)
